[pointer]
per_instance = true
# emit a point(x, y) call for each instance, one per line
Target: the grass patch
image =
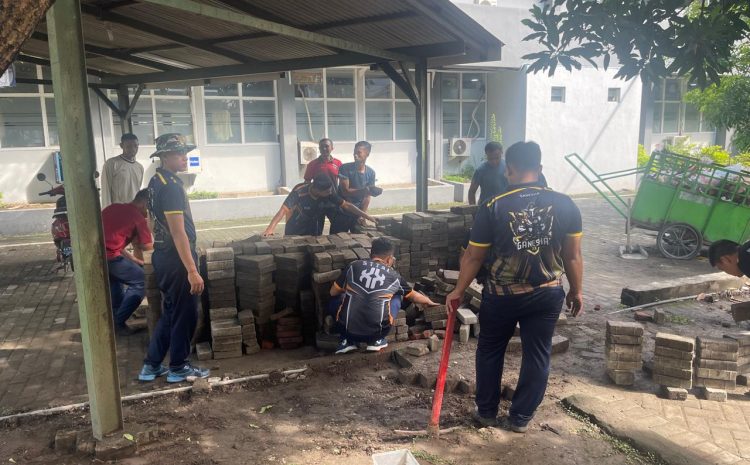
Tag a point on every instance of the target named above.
point(679, 319)
point(202, 195)
point(432, 458)
point(456, 178)
point(632, 455)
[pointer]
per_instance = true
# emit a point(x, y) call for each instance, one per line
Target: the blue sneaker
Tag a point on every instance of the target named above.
point(345, 347)
point(149, 373)
point(178, 376)
point(377, 346)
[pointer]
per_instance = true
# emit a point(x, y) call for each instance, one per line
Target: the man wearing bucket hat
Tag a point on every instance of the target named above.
point(175, 265)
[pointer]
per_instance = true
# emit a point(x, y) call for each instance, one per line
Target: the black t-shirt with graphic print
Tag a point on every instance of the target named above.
point(307, 212)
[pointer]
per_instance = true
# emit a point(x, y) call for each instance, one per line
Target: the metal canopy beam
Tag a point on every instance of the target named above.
point(400, 81)
point(326, 61)
point(45, 62)
point(279, 29)
point(164, 33)
point(115, 55)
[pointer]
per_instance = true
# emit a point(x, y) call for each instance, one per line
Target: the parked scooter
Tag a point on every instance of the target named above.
point(60, 228)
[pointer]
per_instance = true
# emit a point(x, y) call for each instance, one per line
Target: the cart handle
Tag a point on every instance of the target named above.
point(595, 180)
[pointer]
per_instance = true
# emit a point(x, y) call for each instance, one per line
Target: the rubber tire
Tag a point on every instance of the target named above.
point(692, 254)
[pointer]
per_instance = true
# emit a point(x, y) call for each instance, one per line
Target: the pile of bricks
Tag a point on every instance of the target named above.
point(153, 294)
point(716, 366)
point(448, 231)
point(288, 329)
point(226, 333)
point(467, 320)
point(624, 345)
point(436, 317)
point(743, 354)
point(673, 364)
point(399, 330)
point(293, 274)
point(256, 285)
point(219, 266)
point(417, 229)
point(249, 335)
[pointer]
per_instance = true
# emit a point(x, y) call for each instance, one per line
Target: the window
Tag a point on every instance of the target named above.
point(241, 113)
point(557, 94)
point(464, 104)
point(613, 94)
point(326, 104)
point(671, 115)
point(27, 111)
point(389, 114)
point(158, 111)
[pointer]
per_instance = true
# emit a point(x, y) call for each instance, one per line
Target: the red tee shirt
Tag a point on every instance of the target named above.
point(317, 167)
point(123, 224)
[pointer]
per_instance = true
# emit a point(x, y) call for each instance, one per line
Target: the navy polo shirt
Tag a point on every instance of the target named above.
point(491, 180)
point(168, 197)
point(525, 229)
point(307, 212)
point(357, 180)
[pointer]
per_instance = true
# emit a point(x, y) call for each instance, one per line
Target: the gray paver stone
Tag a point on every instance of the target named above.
point(218, 254)
point(673, 363)
point(624, 339)
point(627, 328)
point(672, 382)
point(466, 316)
point(716, 395)
point(674, 341)
point(622, 377)
point(674, 353)
point(418, 350)
point(673, 372)
point(673, 393)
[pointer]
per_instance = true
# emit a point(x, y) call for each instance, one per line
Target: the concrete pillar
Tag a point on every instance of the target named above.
point(423, 169)
point(287, 132)
point(123, 103)
point(69, 83)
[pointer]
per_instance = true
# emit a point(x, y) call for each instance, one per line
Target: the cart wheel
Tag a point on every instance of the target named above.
point(680, 241)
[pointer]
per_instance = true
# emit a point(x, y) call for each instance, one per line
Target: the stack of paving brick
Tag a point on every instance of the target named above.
point(226, 333)
point(309, 316)
point(466, 318)
point(624, 345)
point(289, 331)
point(400, 330)
point(153, 294)
point(448, 230)
point(256, 286)
point(743, 354)
point(249, 335)
point(293, 274)
point(220, 277)
point(716, 363)
point(417, 229)
point(673, 361)
point(436, 316)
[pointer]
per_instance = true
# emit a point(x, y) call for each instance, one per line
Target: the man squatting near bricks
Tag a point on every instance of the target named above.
point(531, 235)
point(730, 257)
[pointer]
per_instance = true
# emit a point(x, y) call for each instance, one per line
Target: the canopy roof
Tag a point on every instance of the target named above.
point(153, 41)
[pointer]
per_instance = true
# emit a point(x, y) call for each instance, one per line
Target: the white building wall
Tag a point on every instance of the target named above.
point(603, 133)
point(507, 100)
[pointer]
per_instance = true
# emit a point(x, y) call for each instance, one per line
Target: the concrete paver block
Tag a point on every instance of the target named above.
point(670, 381)
point(560, 344)
point(463, 333)
point(626, 328)
point(418, 350)
point(618, 365)
point(674, 341)
point(673, 393)
point(673, 372)
point(624, 339)
point(672, 363)
point(65, 441)
point(673, 353)
point(716, 344)
point(203, 351)
point(622, 377)
point(219, 254)
point(716, 395)
point(679, 287)
point(434, 343)
point(466, 316)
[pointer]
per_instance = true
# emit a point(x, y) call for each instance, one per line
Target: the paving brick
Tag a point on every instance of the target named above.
point(673, 372)
point(721, 375)
point(625, 340)
point(222, 313)
point(716, 364)
point(220, 265)
point(716, 344)
point(434, 343)
point(660, 316)
point(219, 254)
point(463, 333)
point(718, 355)
point(627, 357)
point(716, 395)
point(626, 328)
point(560, 344)
point(674, 341)
point(716, 383)
point(672, 382)
point(673, 363)
point(621, 377)
point(674, 353)
point(466, 316)
point(622, 348)
point(407, 378)
point(427, 380)
point(418, 350)
point(618, 365)
point(673, 393)
point(203, 351)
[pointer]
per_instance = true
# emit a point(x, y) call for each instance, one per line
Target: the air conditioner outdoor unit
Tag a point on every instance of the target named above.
point(459, 147)
point(308, 151)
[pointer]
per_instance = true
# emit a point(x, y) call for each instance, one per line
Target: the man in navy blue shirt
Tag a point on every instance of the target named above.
point(175, 264)
point(489, 178)
point(532, 236)
point(356, 186)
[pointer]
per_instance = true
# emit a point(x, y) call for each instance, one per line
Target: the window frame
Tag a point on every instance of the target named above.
point(325, 99)
point(393, 100)
point(461, 100)
point(240, 98)
point(618, 94)
point(41, 95)
point(563, 94)
point(660, 102)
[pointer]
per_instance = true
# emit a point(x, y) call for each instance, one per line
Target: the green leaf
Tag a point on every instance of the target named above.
point(265, 408)
point(129, 437)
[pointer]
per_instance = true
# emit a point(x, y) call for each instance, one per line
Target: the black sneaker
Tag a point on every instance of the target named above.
point(484, 421)
point(508, 424)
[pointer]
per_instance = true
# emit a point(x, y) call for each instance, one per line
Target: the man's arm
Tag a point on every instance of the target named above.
point(136, 257)
point(309, 171)
point(573, 263)
point(348, 207)
point(347, 190)
point(106, 194)
point(176, 224)
point(420, 299)
point(473, 192)
point(283, 212)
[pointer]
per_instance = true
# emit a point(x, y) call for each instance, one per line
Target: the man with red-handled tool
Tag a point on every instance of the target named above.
point(531, 235)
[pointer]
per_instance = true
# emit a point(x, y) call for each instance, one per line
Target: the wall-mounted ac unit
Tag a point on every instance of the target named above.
point(308, 151)
point(459, 147)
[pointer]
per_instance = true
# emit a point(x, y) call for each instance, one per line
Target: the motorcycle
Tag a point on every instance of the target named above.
point(60, 227)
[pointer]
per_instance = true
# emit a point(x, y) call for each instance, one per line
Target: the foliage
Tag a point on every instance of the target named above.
point(655, 38)
point(456, 178)
point(495, 132)
point(468, 171)
point(200, 195)
point(715, 153)
point(643, 156)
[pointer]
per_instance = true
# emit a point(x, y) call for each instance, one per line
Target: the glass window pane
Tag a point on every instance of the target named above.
point(340, 83)
point(399, 93)
point(174, 115)
point(342, 120)
point(472, 119)
point(310, 119)
point(260, 120)
point(671, 117)
point(613, 94)
point(706, 125)
point(143, 121)
point(473, 86)
point(656, 126)
point(225, 90)
point(377, 85)
point(449, 85)
point(450, 119)
point(406, 121)
point(176, 91)
point(673, 90)
point(223, 121)
point(692, 118)
point(659, 90)
point(378, 121)
point(23, 70)
point(257, 89)
point(49, 104)
point(557, 94)
point(21, 122)
point(308, 84)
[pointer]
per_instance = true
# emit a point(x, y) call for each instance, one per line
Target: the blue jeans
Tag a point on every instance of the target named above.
point(179, 316)
point(537, 314)
point(124, 272)
point(333, 308)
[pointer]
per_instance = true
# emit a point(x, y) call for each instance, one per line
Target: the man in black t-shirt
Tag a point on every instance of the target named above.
point(372, 292)
point(530, 235)
point(730, 257)
point(305, 208)
point(356, 185)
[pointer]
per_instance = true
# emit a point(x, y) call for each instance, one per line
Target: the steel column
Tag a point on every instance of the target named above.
point(421, 82)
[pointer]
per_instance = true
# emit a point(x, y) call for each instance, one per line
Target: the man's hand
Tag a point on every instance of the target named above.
point(371, 219)
point(196, 282)
point(459, 296)
point(574, 301)
point(268, 232)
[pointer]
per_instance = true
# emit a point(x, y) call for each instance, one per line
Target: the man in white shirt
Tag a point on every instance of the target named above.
point(122, 175)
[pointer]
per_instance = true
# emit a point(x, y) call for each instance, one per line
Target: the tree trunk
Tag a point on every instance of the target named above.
point(18, 19)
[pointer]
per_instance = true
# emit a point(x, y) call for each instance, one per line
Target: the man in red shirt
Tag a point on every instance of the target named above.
point(124, 224)
point(324, 164)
